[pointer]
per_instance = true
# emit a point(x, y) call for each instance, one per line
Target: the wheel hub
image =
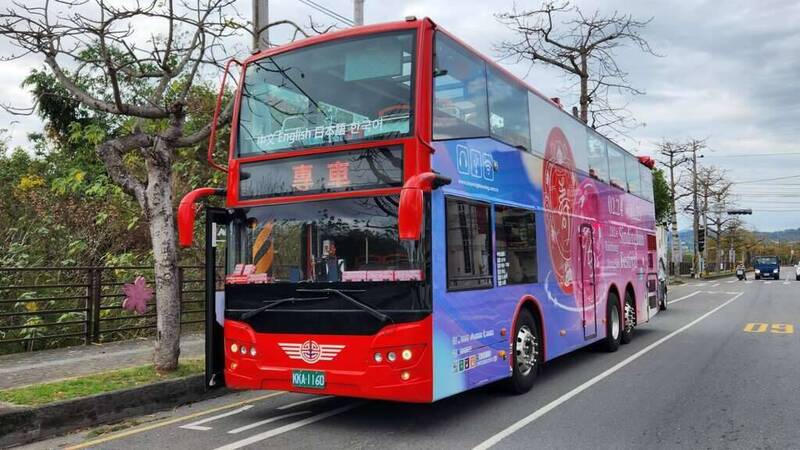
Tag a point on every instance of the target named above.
point(630, 317)
point(526, 350)
point(614, 322)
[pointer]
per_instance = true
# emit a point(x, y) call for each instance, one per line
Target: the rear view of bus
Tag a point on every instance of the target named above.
point(381, 238)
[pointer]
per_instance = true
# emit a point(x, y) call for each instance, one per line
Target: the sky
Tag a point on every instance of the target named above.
point(727, 71)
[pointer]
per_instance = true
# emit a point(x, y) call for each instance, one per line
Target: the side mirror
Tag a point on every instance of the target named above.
point(409, 216)
point(410, 212)
point(187, 210)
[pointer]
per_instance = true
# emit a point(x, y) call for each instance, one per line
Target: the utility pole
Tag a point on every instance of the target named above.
point(358, 13)
point(696, 217)
point(705, 223)
point(260, 21)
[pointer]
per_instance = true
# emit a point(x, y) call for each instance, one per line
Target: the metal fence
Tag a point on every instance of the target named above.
point(48, 307)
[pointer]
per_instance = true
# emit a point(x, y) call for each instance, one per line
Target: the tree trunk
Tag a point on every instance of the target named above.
point(584, 90)
point(161, 219)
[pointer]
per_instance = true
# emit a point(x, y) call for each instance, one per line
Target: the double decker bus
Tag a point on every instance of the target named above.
point(405, 220)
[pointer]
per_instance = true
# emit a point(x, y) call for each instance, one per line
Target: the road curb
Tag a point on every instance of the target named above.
point(21, 425)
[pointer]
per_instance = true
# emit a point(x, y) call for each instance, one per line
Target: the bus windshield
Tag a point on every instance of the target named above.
point(767, 260)
point(331, 93)
point(327, 241)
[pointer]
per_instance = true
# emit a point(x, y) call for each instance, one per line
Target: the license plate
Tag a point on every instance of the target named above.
point(310, 379)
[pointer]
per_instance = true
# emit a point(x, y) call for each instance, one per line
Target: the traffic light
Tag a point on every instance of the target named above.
point(701, 239)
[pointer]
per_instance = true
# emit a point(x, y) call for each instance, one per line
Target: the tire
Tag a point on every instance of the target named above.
point(758, 277)
point(613, 324)
point(630, 319)
point(663, 305)
point(797, 277)
point(525, 353)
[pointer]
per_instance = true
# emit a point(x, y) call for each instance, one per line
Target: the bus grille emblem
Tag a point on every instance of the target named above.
point(310, 351)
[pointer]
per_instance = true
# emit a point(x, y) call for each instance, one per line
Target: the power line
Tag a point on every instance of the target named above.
point(328, 12)
point(752, 155)
point(766, 179)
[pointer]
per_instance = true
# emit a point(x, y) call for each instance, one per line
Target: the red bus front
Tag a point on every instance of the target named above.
point(321, 295)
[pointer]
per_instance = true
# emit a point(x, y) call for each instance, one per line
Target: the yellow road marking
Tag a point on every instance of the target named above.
point(170, 422)
point(755, 327)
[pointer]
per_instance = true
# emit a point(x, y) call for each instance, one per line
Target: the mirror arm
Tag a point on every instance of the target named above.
point(187, 211)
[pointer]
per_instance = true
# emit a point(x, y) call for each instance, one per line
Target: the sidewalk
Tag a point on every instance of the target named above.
point(21, 369)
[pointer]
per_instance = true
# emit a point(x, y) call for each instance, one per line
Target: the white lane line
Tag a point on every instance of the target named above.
point(683, 298)
point(785, 282)
point(266, 421)
point(288, 427)
point(715, 285)
point(732, 281)
point(768, 282)
point(303, 402)
point(555, 403)
point(196, 425)
point(748, 282)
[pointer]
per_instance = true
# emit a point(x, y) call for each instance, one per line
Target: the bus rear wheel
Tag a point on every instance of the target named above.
point(526, 353)
point(630, 319)
point(613, 324)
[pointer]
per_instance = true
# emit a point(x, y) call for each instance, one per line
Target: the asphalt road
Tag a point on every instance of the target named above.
point(719, 369)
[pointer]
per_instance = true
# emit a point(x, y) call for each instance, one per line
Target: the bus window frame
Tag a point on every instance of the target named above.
point(491, 250)
point(531, 211)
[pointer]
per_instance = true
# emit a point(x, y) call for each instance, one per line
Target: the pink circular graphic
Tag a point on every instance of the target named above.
point(559, 185)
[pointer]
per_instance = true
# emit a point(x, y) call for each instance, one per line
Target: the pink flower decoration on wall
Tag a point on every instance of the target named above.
point(137, 294)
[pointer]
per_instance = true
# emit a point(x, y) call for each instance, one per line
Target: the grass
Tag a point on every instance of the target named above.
point(39, 394)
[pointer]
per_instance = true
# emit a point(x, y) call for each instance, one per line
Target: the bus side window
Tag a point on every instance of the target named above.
point(508, 111)
point(515, 246)
point(616, 167)
point(632, 175)
point(598, 160)
point(469, 247)
point(460, 107)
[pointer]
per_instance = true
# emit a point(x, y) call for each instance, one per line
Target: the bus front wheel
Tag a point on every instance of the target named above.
point(613, 324)
point(526, 353)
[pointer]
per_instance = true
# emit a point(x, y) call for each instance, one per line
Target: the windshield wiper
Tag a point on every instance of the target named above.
point(253, 312)
point(341, 293)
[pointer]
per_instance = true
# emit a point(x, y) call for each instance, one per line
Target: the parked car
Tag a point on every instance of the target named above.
point(767, 267)
point(797, 271)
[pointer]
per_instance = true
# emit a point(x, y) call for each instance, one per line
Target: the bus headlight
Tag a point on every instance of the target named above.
point(758, 271)
point(253, 352)
point(391, 356)
point(775, 271)
point(243, 350)
point(406, 355)
point(405, 375)
point(234, 348)
point(378, 357)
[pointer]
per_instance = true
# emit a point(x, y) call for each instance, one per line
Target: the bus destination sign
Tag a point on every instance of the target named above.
point(371, 168)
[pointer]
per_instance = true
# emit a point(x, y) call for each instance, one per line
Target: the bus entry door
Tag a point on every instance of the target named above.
point(587, 281)
point(215, 242)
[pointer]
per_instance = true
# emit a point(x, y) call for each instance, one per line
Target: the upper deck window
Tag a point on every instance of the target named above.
point(647, 182)
point(331, 93)
point(508, 111)
point(597, 157)
point(616, 166)
point(632, 174)
point(460, 107)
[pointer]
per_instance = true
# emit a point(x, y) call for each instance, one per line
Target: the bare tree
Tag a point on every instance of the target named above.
point(674, 156)
point(581, 45)
point(147, 79)
point(720, 200)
